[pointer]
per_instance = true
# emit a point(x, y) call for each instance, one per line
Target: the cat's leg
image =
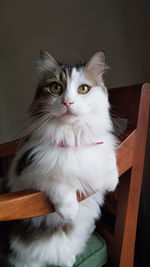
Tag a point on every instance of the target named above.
point(83, 226)
point(111, 173)
point(66, 205)
point(113, 181)
point(64, 199)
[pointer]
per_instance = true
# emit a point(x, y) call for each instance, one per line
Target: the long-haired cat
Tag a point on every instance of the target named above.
point(70, 148)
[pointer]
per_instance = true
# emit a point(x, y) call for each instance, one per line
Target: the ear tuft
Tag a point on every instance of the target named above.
point(96, 66)
point(46, 65)
point(45, 55)
point(101, 56)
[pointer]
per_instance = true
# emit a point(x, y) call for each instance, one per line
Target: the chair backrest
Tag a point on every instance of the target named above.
point(121, 207)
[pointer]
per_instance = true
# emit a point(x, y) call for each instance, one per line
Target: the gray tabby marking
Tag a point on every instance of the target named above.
point(25, 161)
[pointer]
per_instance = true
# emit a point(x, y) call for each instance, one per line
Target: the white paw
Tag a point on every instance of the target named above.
point(113, 181)
point(68, 211)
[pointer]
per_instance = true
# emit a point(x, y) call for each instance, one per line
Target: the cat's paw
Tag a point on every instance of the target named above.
point(68, 211)
point(113, 181)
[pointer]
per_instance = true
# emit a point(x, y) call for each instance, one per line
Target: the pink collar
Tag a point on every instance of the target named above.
point(61, 144)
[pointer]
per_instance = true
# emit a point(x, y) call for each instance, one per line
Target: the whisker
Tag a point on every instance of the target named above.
point(42, 125)
point(117, 125)
point(114, 114)
point(29, 130)
point(17, 134)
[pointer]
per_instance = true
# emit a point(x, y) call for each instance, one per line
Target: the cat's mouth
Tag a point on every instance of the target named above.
point(69, 112)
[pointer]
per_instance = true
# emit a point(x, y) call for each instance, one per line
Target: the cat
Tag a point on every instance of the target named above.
point(70, 148)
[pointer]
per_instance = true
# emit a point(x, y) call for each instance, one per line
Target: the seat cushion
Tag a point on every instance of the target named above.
point(94, 254)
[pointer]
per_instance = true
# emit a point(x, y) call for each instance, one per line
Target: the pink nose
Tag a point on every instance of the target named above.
point(67, 103)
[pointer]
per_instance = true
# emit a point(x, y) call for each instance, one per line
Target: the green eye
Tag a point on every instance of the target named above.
point(56, 89)
point(83, 89)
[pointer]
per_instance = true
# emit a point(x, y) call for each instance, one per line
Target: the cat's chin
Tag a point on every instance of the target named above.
point(69, 117)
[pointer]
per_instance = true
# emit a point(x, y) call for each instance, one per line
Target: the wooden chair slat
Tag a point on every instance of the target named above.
point(125, 153)
point(9, 149)
point(129, 229)
point(121, 98)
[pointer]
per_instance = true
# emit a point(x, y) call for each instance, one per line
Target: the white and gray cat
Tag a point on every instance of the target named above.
point(70, 148)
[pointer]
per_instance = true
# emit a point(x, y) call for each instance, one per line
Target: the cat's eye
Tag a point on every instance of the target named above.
point(55, 89)
point(83, 89)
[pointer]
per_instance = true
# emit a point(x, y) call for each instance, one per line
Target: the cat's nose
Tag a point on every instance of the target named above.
point(67, 103)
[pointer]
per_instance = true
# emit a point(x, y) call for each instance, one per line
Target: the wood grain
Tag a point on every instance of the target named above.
point(17, 205)
point(125, 153)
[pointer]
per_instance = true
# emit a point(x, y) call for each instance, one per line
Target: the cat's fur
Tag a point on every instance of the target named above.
point(60, 171)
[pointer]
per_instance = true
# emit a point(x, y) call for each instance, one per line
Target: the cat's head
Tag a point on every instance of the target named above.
point(70, 93)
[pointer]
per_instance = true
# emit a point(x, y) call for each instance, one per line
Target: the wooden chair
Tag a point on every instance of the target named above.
point(120, 212)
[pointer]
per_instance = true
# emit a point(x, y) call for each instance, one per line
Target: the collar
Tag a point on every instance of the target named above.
point(62, 144)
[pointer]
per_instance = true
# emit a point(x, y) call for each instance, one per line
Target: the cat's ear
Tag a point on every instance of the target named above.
point(46, 65)
point(46, 56)
point(96, 66)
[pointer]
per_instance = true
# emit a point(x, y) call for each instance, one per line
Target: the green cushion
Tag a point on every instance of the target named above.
point(94, 254)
